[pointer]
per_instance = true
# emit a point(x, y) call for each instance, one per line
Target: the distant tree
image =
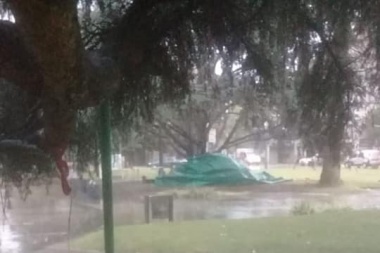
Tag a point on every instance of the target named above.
point(232, 105)
point(370, 129)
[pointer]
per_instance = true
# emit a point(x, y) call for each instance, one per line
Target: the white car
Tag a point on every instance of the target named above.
point(253, 162)
point(364, 158)
point(253, 158)
point(357, 161)
point(308, 161)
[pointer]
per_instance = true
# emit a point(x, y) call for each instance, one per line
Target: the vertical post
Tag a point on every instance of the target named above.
point(267, 151)
point(147, 209)
point(160, 149)
point(171, 208)
point(105, 152)
point(267, 154)
point(96, 158)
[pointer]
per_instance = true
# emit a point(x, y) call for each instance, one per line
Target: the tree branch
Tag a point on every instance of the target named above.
point(171, 125)
point(248, 137)
point(175, 138)
point(314, 26)
point(18, 64)
point(232, 132)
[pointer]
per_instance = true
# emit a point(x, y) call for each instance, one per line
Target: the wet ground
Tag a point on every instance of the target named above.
point(44, 219)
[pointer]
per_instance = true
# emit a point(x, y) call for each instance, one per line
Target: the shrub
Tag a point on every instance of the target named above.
point(303, 208)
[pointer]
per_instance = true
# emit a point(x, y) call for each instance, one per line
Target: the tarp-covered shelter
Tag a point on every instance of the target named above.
point(214, 169)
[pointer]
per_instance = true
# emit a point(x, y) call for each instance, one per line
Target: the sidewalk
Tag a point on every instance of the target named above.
point(63, 248)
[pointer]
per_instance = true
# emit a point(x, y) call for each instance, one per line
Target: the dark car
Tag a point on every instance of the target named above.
point(166, 164)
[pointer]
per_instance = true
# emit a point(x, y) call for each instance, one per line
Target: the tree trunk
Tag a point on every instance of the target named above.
point(52, 30)
point(337, 106)
point(330, 175)
point(190, 150)
point(160, 148)
point(202, 148)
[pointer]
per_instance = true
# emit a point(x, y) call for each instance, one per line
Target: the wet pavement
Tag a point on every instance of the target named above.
point(43, 220)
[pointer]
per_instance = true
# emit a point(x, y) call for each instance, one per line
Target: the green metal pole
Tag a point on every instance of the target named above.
point(106, 156)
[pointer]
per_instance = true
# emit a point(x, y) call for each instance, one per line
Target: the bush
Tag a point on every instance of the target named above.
point(303, 208)
point(194, 193)
point(200, 193)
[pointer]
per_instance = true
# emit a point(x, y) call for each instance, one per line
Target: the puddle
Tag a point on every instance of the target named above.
point(9, 241)
point(29, 228)
point(32, 226)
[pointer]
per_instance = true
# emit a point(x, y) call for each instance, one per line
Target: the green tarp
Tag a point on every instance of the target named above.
point(213, 169)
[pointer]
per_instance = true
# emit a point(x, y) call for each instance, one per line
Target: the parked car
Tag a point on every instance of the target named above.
point(166, 164)
point(356, 161)
point(373, 157)
point(249, 158)
point(310, 161)
point(364, 158)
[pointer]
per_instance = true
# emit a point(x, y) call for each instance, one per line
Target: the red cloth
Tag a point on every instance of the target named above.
point(63, 168)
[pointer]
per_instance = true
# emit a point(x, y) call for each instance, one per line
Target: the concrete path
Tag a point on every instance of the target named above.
point(63, 248)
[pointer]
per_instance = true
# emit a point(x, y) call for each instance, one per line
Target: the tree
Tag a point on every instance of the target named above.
point(370, 130)
point(84, 141)
point(146, 50)
point(18, 113)
point(149, 40)
point(326, 93)
point(224, 103)
point(186, 128)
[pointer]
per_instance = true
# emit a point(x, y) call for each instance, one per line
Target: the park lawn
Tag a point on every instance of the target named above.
point(329, 232)
point(136, 173)
point(354, 177)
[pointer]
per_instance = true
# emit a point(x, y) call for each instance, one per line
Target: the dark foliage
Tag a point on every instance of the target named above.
point(145, 52)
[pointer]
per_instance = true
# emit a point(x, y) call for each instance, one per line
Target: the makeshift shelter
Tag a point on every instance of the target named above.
point(214, 169)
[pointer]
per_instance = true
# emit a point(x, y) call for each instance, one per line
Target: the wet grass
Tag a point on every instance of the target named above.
point(361, 178)
point(333, 232)
point(193, 193)
point(355, 178)
point(135, 174)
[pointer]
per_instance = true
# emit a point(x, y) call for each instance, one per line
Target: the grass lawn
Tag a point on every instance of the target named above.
point(353, 177)
point(329, 232)
point(136, 173)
